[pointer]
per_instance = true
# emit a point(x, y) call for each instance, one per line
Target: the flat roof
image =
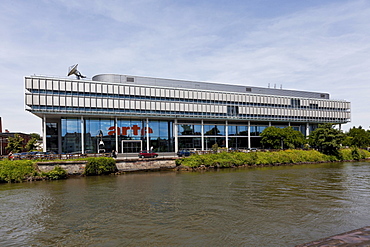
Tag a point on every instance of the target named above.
point(151, 81)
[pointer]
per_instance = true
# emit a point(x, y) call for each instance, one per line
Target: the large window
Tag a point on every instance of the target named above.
point(161, 136)
point(237, 130)
point(52, 137)
point(189, 129)
point(213, 130)
point(71, 135)
point(97, 135)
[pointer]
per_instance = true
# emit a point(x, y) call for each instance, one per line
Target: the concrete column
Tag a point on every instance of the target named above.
point(202, 138)
point(116, 127)
point(175, 134)
point(307, 129)
point(82, 136)
point(60, 148)
point(44, 133)
point(269, 124)
point(227, 134)
point(147, 135)
point(249, 134)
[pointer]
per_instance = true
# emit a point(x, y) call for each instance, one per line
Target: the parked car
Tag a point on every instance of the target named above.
point(184, 153)
point(147, 154)
point(20, 156)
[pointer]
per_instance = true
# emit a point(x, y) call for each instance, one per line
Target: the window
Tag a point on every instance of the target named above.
point(232, 110)
point(314, 106)
point(295, 102)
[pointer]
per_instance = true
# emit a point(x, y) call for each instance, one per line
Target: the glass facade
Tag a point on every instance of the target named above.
point(100, 135)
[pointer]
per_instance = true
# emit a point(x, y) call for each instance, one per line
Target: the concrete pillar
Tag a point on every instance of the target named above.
point(227, 134)
point(249, 134)
point(202, 138)
point(82, 136)
point(147, 135)
point(307, 129)
point(116, 128)
point(44, 133)
point(175, 134)
point(60, 148)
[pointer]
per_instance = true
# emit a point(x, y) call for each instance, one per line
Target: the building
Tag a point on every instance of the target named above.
point(129, 113)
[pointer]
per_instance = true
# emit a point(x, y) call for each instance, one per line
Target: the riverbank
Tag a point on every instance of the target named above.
point(27, 170)
point(276, 158)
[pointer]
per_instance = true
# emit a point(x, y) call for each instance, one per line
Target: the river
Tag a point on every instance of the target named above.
point(270, 206)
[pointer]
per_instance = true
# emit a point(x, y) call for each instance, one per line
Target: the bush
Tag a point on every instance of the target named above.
point(99, 166)
point(56, 173)
point(268, 158)
point(17, 170)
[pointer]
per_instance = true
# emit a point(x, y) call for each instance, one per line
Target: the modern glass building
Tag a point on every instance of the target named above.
point(129, 113)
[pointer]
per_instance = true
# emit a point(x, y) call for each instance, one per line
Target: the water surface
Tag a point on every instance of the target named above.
point(272, 206)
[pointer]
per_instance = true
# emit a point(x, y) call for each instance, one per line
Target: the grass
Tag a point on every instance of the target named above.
point(233, 159)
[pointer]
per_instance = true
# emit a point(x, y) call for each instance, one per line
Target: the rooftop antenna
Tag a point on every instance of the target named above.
point(72, 70)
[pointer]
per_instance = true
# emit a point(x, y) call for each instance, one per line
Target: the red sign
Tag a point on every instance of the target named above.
point(134, 129)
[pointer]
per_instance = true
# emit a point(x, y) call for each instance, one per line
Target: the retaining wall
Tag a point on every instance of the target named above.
point(123, 165)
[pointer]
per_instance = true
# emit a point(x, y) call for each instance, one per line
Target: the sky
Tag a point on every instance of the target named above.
point(311, 45)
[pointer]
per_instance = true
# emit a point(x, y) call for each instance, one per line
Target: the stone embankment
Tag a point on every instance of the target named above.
point(123, 165)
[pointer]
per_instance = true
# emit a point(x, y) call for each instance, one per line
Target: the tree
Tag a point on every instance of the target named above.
point(327, 139)
point(357, 137)
point(292, 138)
point(31, 144)
point(273, 137)
point(36, 136)
point(15, 144)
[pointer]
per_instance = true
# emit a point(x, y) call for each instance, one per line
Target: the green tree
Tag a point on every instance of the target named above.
point(273, 137)
point(292, 138)
point(15, 144)
point(357, 137)
point(31, 144)
point(327, 139)
point(35, 135)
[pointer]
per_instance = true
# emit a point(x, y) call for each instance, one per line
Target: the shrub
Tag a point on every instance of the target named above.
point(265, 158)
point(17, 170)
point(56, 173)
point(101, 165)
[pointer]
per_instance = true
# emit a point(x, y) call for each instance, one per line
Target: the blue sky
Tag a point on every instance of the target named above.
point(321, 46)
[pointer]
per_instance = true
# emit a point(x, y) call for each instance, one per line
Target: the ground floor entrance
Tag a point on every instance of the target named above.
point(131, 146)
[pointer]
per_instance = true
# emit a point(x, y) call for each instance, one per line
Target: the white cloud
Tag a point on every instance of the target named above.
point(324, 47)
